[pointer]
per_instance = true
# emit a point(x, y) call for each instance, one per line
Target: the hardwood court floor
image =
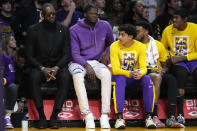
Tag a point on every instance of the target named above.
point(191, 128)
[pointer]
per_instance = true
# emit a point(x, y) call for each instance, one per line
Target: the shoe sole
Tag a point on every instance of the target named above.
point(105, 127)
point(151, 127)
point(9, 127)
point(121, 127)
point(160, 126)
point(177, 126)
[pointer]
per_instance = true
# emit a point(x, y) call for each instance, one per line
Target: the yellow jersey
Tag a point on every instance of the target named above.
point(181, 43)
point(124, 60)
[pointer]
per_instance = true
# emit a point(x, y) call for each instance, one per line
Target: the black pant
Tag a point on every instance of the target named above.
point(169, 83)
point(62, 79)
point(181, 75)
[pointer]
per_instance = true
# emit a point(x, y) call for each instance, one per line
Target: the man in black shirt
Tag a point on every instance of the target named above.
point(48, 52)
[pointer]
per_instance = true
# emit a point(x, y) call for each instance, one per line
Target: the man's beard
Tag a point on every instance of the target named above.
point(142, 39)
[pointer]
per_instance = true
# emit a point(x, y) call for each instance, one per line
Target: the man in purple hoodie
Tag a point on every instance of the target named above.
point(90, 37)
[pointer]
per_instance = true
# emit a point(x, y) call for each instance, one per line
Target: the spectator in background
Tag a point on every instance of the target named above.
point(26, 17)
point(134, 13)
point(128, 60)
point(164, 19)
point(2, 113)
point(180, 38)
point(90, 37)
point(21, 78)
point(156, 56)
point(100, 4)
point(68, 15)
point(9, 46)
point(152, 7)
point(48, 53)
point(5, 18)
point(191, 6)
point(114, 12)
point(10, 90)
point(82, 4)
point(146, 13)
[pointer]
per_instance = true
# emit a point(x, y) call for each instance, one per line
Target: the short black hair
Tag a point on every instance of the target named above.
point(88, 7)
point(128, 29)
point(181, 12)
point(45, 6)
point(147, 26)
point(5, 1)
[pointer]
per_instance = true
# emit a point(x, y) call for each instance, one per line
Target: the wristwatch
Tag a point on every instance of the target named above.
point(42, 68)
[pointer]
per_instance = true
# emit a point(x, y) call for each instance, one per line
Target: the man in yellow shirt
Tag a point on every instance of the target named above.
point(181, 40)
point(156, 56)
point(128, 59)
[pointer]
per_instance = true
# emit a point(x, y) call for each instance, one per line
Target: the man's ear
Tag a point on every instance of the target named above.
point(130, 37)
point(146, 32)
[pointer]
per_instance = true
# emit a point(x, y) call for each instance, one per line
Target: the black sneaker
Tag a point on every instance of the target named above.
point(53, 124)
point(42, 124)
point(172, 123)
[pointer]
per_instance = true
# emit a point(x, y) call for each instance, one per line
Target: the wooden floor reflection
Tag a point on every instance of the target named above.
point(193, 128)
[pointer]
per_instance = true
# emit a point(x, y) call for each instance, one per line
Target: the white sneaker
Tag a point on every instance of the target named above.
point(104, 121)
point(89, 120)
point(149, 123)
point(8, 123)
point(120, 124)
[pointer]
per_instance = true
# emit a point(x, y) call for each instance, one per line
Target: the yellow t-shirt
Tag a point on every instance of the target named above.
point(181, 43)
point(163, 54)
point(123, 59)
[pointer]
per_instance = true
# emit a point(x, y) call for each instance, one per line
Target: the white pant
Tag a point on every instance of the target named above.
point(78, 72)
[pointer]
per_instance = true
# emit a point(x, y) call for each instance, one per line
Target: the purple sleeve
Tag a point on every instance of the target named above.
point(109, 39)
point(75, 49)
point(9, 70)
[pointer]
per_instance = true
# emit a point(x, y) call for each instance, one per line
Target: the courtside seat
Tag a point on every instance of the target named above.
point(93, 89)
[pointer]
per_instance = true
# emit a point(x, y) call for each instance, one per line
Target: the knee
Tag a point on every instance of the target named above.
point(105, 73)
point(35, 74)
point(11, 88)
point(64, 75)
point(155, 77)
point(117, 78)
point(171, 79)
point(194, 74)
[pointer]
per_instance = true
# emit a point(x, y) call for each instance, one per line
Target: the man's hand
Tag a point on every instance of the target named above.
point(136, 74)
point(72, 7)
point(48, 73)
point(105, 59)
point(158, 71)
point(90, 73)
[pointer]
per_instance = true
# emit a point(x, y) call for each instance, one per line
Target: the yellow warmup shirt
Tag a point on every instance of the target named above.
point(123, 59)
point(163, 54)
point(181, 43)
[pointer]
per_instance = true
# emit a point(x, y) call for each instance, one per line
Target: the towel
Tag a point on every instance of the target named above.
point(152, 54)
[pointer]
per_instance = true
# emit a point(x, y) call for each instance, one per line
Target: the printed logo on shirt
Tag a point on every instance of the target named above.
point(181, 45)
point(128, 60)
point(11, 68)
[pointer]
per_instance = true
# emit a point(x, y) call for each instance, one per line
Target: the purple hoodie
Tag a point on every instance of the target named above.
point(88, 43)
point(9, 69)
